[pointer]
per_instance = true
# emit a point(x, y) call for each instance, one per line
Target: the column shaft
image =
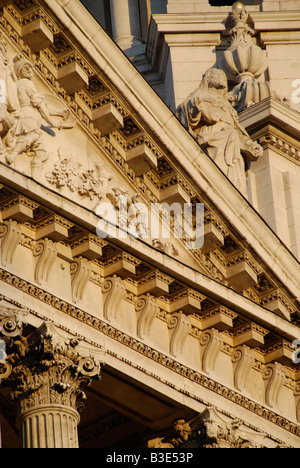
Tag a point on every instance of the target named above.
point(49, 426)
point(126, 24)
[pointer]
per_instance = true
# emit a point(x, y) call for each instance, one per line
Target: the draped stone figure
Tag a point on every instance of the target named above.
point(210, 118)
point(25, 126)
point(8, 94)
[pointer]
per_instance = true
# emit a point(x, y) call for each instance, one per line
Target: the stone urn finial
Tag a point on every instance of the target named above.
point(243, 60)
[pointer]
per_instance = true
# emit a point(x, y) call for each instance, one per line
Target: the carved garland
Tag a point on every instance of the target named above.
point(151, 353)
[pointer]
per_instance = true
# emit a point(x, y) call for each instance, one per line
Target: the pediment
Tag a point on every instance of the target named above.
point(119, 138)
point(215, 323)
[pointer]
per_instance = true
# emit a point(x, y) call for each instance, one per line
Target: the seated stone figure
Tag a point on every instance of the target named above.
point(210, 118)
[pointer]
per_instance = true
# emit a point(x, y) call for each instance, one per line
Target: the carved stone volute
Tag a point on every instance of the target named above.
point(48, 373)
point(49, 369)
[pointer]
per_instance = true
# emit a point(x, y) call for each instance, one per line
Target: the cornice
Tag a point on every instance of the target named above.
point(271, 110)
point(215, 21)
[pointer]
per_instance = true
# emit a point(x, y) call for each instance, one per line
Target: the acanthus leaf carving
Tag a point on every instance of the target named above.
point(51, 367)
point(12, 321)
point(210, 429)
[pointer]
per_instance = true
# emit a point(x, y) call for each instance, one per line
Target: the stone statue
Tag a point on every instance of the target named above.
point(211, 119)
point(8, 100)
point(26, 131)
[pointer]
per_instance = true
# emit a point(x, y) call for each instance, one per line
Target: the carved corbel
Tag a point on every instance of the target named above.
point(180, 325)
point(114, 291)
point(10, 236)
point(147, 309)
point(46, 253)
point(274, 376)
point(68, 67)
point(242, 361)
point(141, 159)
point(80, 272)
point(211, 343)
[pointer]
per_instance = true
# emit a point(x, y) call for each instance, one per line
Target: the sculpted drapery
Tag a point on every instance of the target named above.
point(210, 118)
point(23, 110)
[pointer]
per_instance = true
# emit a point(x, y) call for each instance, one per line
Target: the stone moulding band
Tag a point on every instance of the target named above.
point(149, 352)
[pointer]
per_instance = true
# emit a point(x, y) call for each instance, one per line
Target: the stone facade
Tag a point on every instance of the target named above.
point(145, 338)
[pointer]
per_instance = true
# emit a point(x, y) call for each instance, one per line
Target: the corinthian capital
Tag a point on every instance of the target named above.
point(51, 368)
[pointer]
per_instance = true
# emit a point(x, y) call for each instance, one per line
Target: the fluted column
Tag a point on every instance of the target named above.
point(47, 374)
point(126, 23)
point(49, 426)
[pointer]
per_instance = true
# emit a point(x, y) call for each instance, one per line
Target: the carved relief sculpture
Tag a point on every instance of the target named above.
point(24, 123)
point(209, 116)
